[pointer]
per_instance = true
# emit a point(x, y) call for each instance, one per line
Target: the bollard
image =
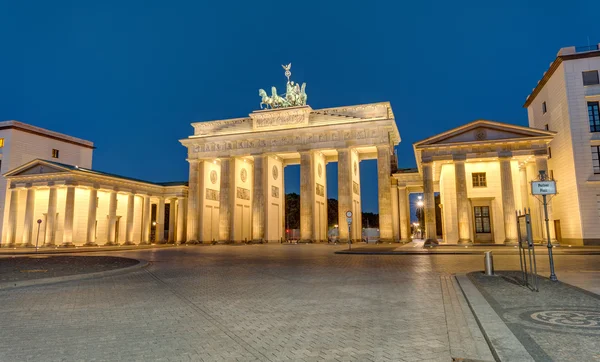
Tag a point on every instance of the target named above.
point(488, 261)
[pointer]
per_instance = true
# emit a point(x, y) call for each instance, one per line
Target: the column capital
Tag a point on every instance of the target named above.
point(541, 153)
point(193, 161)
point(505, 154)
point(426, 160)
point(461, 157)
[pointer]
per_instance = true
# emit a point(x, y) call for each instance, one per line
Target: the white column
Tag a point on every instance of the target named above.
point(12, 216)
point(226, 198)
point(344, 192)
point(146, 221)
point(172, 216)
point(384, 173)
point(92, 217)
point(192, 203)
point(307, 196)
point(180, 220)
point(259, 222)
point(395, 210)
point(130, 219)
point(283, 226)
point(69, 217)
point(462, 201)
point(28, 225)
point(160, 221)
point(429, 202)
point(51, 217)
point(112, 218)
point(403, 212)
point(524, 187)
point(508, 199)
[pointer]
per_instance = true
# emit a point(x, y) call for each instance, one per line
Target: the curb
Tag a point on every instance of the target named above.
point(67, 278)
point(449, 252)
point(505, 346)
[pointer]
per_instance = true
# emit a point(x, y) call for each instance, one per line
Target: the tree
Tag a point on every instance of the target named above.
point(370, 220)
point(332, 212)
point(292, 211)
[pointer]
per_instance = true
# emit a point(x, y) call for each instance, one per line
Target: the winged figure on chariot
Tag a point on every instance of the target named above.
point(295, 95)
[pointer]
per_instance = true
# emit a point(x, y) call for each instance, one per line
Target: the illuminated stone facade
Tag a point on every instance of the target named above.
point(482, 172)
point(242, 161)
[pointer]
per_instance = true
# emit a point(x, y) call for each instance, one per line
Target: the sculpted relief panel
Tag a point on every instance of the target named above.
point(242, 193)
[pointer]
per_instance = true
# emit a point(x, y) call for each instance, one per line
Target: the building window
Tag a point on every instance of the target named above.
point(594, 116)
point(544, 108)
point(1, 142)
point(590, 77)
point(596, 159)
point(482, 219)
point(551, 174)
point(549, 152)
point(479, 179)
point(54, 153)
point(546, 127)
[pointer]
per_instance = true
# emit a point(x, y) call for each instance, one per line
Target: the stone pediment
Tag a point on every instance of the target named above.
point(38, 167)
point(485, 132)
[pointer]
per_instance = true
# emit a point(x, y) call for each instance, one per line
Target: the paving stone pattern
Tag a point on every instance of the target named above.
point(250, 303)
point(558, 323)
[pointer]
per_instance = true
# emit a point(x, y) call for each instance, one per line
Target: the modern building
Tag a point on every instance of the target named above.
point(566, 101)
point(21, 143)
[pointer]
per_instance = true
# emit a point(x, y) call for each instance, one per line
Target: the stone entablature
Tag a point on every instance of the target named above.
point(293, 129)
point(39, 173)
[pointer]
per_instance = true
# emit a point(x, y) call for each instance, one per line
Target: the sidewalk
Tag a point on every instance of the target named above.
point(561, 322)
point(81, 249)
point(416, 247)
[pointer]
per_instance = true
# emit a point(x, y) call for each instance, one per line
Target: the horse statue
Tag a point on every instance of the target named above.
point(303, 96)
point(278, 101)
point(266, 100)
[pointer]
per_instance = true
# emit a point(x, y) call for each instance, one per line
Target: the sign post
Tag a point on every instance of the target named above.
point(545, 187)
point(349, 220)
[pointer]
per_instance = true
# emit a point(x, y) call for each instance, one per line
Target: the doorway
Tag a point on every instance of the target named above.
point(482, 219)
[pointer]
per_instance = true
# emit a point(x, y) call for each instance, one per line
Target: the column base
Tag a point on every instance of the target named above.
point(52, 245)
point(110, 243)
point(431, 242)
point(67, 245)
point(144, 243)
point(161, 242)
point(129, 243)
point(90, 244)
point(26, 245)
point(464, 241)
point(511, 242)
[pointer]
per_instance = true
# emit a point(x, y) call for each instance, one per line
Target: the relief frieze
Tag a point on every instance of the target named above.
point(242, 193)
point(320, 190)
point(275, 191)
point(212, 194)
point(355, 188)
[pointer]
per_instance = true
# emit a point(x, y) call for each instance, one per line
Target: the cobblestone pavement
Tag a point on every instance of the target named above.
point(250, 303)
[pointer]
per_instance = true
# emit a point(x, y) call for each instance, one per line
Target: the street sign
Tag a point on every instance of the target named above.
point(349, 214)
point(349, 220)
point(543, 187)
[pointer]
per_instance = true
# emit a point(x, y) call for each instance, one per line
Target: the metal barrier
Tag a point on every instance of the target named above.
point(527, 251)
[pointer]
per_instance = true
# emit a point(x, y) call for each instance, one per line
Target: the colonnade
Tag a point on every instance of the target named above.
point(253, 200)
point(69, 216)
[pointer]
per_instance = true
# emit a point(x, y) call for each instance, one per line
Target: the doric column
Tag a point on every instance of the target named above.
point(146, 217)
point(28, 225)
point(283, 226)
point(344, 192)
point(112, 218)
point(403, 213)
point(12, 216)
point(429, 202)
point(180, 220)
point(226, 198)
point(160, 221)
point(395, 210)
point(51, 217)
point(91, 221)
point(508, 199)
point(172, 216)
point(130, 219)
point(259, 222)
point(384, 172)
point(69, 217)
point(462, 201)
point(307, 196)
point(524, 187)
point(192, 203)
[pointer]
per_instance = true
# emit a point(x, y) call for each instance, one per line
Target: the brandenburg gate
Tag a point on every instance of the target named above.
point(236, 179)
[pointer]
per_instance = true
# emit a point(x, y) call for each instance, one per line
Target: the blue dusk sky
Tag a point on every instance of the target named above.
point(132, 75)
